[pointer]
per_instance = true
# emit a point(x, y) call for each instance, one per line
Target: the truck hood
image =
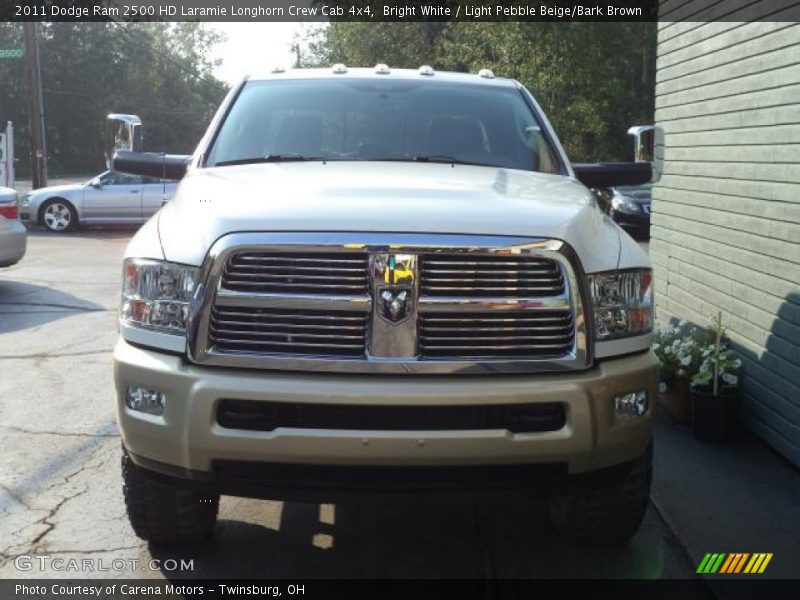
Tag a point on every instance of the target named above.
point(384, 197)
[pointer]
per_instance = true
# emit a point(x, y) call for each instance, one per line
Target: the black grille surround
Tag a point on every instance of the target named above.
point(256, 415)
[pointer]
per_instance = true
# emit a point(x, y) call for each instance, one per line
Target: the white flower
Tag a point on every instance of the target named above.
point(730, 379)
point(737, 363)
point(682, 323)
point(667, 350)
point(656, 347)
point(662, 387)
point(686, 360)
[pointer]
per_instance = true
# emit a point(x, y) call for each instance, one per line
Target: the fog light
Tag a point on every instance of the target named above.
point(145, 400)
point(630, 405)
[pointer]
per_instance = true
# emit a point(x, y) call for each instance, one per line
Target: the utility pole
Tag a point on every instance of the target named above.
point(35, 107)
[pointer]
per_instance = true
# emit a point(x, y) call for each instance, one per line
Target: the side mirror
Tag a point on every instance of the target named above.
point(150, 164)
point(606, 175)
point(96, 184)
point(648, 146)
point(123, 132)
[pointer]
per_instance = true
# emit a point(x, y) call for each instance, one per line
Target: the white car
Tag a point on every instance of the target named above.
point(109, 198)
point(13, 237)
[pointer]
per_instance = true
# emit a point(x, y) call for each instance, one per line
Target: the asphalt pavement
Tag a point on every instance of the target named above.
point(60, 488)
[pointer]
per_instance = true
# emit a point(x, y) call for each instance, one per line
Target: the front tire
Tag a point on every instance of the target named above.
point(608, 514)
point(164, 513)
point(58, 215)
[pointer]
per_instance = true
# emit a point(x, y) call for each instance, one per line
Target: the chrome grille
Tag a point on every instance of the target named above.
point(496, 334)
point(330, 333)
point(389, 303)
point(296, 272)
point(490, 276)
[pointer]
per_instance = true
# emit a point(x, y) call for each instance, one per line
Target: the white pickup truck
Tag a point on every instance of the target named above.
point(379, 282)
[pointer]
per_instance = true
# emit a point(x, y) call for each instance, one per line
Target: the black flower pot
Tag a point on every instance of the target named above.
point(715, 418)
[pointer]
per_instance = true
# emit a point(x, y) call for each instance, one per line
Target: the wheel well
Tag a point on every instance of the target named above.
point(43, 205)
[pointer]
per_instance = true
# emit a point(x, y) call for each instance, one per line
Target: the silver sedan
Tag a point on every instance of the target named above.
point(108, 198)
point(13, 238)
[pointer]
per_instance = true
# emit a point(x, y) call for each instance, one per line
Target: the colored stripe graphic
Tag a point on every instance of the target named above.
point(703, 563)
point(741, 562)
point(729, 563)
point(752, 563)
point(734, 563)
point(711, 563)
point(764, 564)
point(715, 567)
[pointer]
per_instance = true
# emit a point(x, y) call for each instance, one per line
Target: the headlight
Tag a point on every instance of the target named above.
point(625, 204)
point(622, 303)
point(25, 200)
point(156, 294)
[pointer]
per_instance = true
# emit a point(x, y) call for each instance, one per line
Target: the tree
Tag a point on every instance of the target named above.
point(594, 80)
point(160, 71)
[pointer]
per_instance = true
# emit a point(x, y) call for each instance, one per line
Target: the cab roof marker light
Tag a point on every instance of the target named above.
point(339, 69)
point(486, 73)
point(426, 70)
point(382, 69)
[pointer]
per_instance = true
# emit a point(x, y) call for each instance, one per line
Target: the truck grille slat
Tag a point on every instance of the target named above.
point(328, 259)
point(465, 290)
point(278, 316)
point(290, 276)
point(304, 287)
point(245, 334)
point(489, 276)
point(294, 332)
point(295, 272)
point(243, 344)
point(249, 326)
point(521, 334)
point(489, 319)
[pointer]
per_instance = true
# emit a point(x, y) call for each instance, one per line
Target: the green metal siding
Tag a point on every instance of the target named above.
point(726, 214)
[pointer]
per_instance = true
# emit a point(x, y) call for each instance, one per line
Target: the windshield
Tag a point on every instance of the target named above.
point(391, 119)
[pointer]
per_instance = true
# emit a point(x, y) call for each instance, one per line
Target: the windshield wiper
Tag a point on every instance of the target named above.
point(432, 158)
point(267, 159)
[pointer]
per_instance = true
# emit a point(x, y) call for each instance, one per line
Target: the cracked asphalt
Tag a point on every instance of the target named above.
point(60, 489)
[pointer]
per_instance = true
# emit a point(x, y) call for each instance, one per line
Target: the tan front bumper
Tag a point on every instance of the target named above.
point(188, 437)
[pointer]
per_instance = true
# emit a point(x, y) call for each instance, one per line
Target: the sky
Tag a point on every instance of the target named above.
point(252, 47)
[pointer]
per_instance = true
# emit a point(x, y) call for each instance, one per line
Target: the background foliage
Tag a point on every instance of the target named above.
point(594, 80)
point(159, 71)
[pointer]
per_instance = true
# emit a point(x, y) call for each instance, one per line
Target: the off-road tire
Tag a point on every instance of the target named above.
point(165, 513)
point(607, 514)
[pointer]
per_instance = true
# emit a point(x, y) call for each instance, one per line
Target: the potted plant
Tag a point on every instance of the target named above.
point(715, 391)
point(678, 348)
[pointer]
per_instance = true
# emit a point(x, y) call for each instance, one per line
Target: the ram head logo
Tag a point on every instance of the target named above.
point(395, 304)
